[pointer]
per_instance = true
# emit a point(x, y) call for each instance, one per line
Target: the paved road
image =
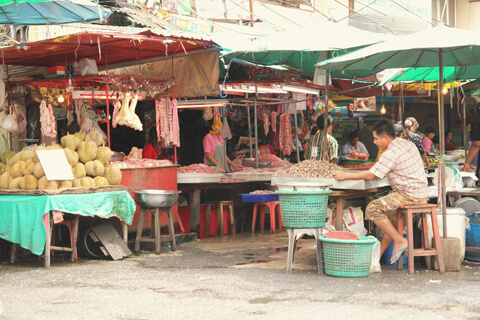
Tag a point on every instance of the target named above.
point(242, 279)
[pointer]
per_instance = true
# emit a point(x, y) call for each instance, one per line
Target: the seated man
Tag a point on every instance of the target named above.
point(402, 165)
point(354, 145)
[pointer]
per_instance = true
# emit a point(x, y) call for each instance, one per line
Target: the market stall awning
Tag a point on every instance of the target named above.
point(108, 49)
point(431, 74)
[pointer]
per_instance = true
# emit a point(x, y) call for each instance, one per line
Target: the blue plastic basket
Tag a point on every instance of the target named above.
point(348, 258)
point(248, 197)
point(303, 209)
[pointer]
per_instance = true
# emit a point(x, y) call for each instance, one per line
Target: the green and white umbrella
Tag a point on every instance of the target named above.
point(436, 47)
point(46, 12)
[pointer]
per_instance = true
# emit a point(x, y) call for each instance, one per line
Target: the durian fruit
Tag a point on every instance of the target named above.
point(17, 157)
point(7, 168)
point(70, 141)
point(96, 137)
point(65, 184)
point(5, 180)
point(15, 183)
point(79, 171)
point(44, 184)
point(87, 182)
point(28, 168)
point(87, 151)
point(7, 155)
point(77, 183)
point(104, 154)
point(35, 156)
point(27, 155)
point(54, 146)
point(38, 170)
point(113, 175)
point(94, 168)
point(100, 181)
point(72, 156)
point(2, 168)
point(79, 136)
point(17, 169)
point(29, 182)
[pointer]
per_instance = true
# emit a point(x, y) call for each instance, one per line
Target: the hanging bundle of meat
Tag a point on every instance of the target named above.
point(116, 108)
point(47, 120)
point(266, 123)
point(285, 134)
point(176, 125)
point(170, 120)
point(126, 115)
point(273, 115)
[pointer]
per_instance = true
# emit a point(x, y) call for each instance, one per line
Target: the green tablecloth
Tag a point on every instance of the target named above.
point(21, 216)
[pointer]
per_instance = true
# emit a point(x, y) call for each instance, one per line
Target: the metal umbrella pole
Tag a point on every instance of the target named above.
point(256, 125)
point(325, 115)
point(296, 134)
point(249, 130)
point(225, 138)
point(464, 121)
point(441, 125)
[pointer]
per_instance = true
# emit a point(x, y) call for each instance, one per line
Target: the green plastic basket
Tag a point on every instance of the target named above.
point(303, 209)
point(351, 162)
point(348, 258)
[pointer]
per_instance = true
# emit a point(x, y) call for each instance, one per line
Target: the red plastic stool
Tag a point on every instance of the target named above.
point(71, 227)
point(271, 205)
point(426, 251)
point(220, 222)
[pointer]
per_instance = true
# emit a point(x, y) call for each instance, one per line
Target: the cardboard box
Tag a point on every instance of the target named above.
point(56, 70)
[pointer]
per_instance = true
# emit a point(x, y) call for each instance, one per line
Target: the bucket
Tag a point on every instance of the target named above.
point(457, 224)
point(473, 236)
point(389, 253)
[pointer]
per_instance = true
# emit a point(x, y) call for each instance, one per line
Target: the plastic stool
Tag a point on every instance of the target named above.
point(71, 227)
point(294, 235)
point(155, 237)
point(426, 251)
point(220, 223)
point(272, 205)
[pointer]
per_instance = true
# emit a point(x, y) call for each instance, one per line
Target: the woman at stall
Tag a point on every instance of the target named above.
point(214, 149)
point(153, 148)
point(409, 127)
point(427, 140)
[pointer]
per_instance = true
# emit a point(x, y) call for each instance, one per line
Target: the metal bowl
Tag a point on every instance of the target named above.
point(117, 156)
point(149, 199)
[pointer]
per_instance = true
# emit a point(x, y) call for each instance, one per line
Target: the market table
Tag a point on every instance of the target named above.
point(27, 219)
point(339, 196)
point(195, 189)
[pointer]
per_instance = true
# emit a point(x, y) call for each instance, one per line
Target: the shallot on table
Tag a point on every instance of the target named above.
point(310, 169)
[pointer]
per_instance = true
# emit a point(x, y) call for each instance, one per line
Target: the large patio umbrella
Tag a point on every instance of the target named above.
point(299, 49)
point(44, 12)
point(436, 47)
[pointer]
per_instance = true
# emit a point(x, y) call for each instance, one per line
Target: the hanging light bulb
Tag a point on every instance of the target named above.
point(444, 90)
point(60, 97)
point(69, 87)
point(383, 110)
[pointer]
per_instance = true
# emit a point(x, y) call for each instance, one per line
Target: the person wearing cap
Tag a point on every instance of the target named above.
point(314, 145)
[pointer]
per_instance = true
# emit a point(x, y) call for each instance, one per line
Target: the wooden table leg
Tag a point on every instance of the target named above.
point(13, 255)
point(75, 236)
point(339, 215)
point(139, 230)
point(195, 211)
point(125, 232)
point(220, 231)
point(49, 239)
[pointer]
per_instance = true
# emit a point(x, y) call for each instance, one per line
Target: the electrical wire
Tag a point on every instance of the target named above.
point(365, 6)
point(256, 15)
point(265, 6)
point(416, 15)
point(378, 24)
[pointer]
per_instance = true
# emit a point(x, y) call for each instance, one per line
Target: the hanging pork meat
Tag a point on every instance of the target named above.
point(47, 120)
point(273, 121)
point(266, 123)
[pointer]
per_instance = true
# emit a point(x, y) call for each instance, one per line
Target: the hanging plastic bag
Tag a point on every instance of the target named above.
point(226, 132)
point(375, 263)
point(21, 119)
point(3, 114)
point(87, 67)
point(207, 114)
point(100, 131)
point(10, 122)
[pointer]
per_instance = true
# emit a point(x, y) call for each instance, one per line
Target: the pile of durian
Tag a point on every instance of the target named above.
point(87, 155)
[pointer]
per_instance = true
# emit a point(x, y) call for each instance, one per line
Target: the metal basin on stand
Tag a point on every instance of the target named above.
point(155, 201)
point(151, 199)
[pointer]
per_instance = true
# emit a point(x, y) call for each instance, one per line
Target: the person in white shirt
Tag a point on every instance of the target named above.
point(354, 145)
